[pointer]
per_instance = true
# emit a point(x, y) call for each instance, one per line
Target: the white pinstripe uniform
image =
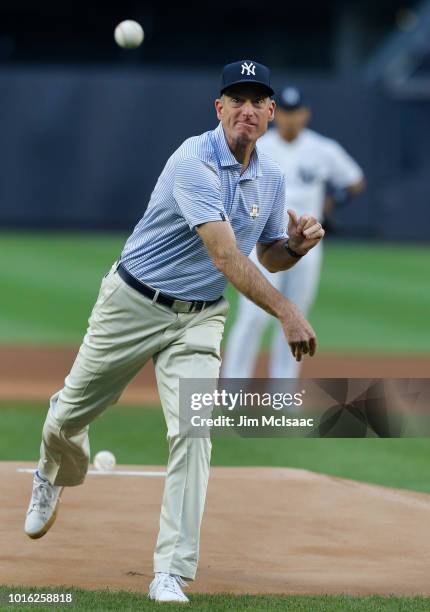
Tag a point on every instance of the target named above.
point(309, 162)
point(201, 182)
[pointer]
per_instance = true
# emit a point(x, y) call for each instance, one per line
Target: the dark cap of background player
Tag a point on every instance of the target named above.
point(245, 71)
point(290, 98)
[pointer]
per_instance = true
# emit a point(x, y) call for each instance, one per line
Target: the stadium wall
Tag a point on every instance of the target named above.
point(82, 148)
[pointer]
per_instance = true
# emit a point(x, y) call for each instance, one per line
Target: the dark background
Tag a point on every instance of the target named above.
point(86, 127)
point(305, 35)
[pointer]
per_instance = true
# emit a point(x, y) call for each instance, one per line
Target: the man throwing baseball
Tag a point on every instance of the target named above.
point(215, 199)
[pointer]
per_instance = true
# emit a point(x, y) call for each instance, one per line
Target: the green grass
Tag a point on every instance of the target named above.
point(137, 436)
point(122, 600)
point(50, 283)
point(372, 298)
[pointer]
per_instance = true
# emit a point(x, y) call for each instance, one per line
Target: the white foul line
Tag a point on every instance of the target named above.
point(108, 473)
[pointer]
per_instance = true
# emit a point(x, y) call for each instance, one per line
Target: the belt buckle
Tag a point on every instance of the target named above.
point(181, 306)
point(194, 307)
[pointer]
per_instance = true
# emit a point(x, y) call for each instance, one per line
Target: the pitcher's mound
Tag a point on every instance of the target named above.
point(265, 530)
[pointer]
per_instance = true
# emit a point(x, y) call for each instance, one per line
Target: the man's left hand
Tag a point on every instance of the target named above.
point(303, 233)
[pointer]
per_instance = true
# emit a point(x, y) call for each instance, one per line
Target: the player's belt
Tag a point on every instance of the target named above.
point(162, 298)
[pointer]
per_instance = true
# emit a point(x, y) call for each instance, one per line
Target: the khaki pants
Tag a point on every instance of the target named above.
point(125, 330)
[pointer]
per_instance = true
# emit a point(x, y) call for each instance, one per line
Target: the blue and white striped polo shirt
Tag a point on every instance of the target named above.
point(201, 182)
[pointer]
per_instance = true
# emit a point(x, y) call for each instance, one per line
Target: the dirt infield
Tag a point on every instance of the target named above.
point(266, 530)
point(35, 373)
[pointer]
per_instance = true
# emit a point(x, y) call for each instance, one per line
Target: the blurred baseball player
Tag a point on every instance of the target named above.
point(311, 163)
point(215, 199)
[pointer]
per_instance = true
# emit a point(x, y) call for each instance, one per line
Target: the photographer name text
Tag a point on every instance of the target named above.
point(246, 421)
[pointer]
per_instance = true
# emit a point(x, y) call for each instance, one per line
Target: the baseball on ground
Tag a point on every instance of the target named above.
point(129, 34)
point(104, 461)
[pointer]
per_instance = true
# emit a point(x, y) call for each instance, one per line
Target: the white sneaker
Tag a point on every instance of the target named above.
point(42, 511)
point(167, 587)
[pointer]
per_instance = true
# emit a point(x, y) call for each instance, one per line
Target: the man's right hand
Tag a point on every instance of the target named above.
point(220, 242)
point(298, 332)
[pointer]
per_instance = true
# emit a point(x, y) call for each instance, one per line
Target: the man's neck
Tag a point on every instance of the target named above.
point(241, 151)
point(291, 137)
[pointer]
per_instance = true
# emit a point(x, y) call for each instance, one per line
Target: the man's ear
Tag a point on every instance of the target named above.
point(272, 110)
point(218, 107)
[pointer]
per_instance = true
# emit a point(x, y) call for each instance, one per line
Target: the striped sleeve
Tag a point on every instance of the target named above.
point(276, 225)
point(197, 191)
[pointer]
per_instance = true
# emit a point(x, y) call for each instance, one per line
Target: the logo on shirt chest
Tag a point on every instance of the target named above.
point(255, 211)
point(308, 174)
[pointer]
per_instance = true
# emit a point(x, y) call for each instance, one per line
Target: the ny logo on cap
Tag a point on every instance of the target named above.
point(249, 68)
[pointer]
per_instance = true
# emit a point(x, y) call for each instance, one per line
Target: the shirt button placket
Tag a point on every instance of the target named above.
point(235, 195)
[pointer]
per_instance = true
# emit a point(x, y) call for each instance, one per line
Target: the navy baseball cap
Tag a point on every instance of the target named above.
point(290, 98)
point(245, 71)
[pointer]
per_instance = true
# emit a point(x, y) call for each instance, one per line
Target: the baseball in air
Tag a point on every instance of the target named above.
point(129, 34)
point(104, 461)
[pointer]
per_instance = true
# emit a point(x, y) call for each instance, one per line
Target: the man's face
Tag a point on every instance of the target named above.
point(290, 123)
point(244, 111)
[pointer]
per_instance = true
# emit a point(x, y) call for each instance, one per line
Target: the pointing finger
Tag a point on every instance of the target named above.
point(293, 216)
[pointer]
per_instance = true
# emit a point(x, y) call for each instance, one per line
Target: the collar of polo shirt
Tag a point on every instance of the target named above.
point(227, 159)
